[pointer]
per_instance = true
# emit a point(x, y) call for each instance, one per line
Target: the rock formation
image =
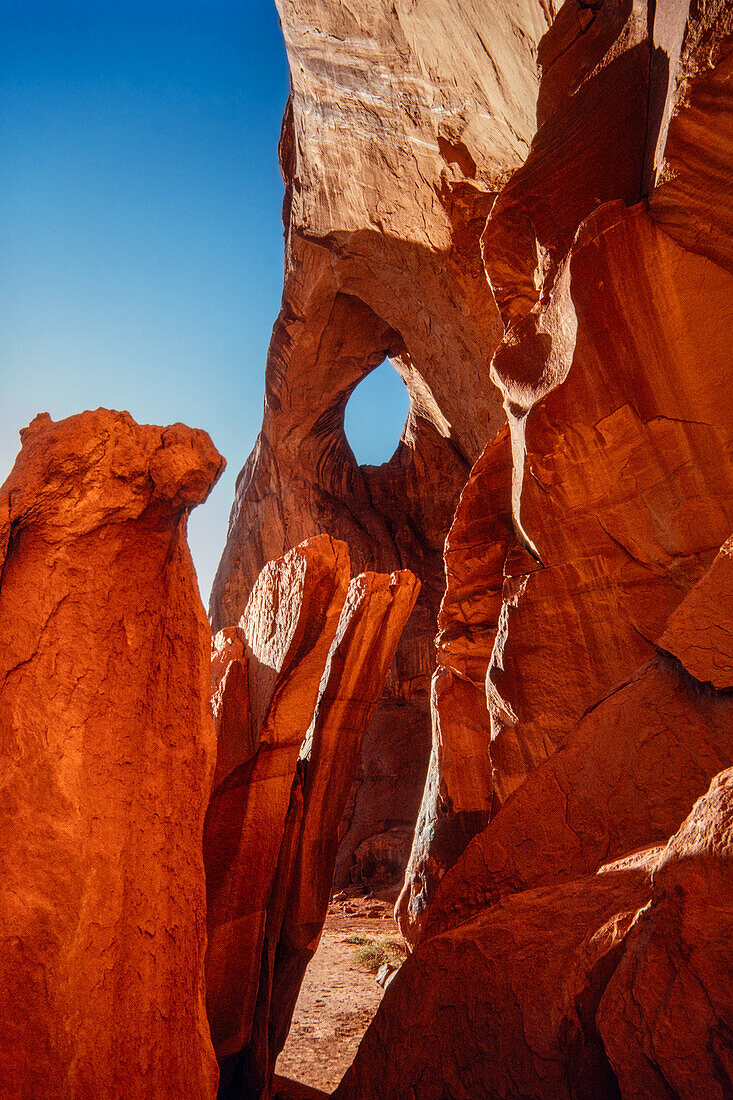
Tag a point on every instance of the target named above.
point(294, 687)
point(527, 208)
point(666, 1016)
point(505, 1005)
point(524, 205)
point(618, 983)
point(620, 434)
point(108, 751)
point(398, 133)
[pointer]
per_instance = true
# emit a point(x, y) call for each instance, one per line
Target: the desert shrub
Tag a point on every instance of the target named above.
point(371, 953)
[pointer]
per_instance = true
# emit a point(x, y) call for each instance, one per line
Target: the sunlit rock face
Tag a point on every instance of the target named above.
point(527, 207)
point(614, 366)
point(294, 687)
point(108, 751)
point(404, 122)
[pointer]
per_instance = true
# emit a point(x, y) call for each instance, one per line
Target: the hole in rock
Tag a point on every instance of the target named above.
point(375, 415)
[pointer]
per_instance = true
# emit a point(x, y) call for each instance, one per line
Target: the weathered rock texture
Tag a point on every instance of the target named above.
point(108, 751)
point(403, 123)
point(294, 684)
point(617, 324)
point(614, 984)
point(527, 205)
point(505, 1005)
point(667, 1015)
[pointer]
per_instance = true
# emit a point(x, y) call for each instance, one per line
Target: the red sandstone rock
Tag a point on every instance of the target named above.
point(459, 789)
point(588, 148)
point(505, 1004)
point(403, 123)
point(626, 779)
point(666, 1017)
point(294, 687)
point(374, 615)
point(627, 491)
point(108, 753)
point(700, 631)
point(287, 630)
point(621, 428)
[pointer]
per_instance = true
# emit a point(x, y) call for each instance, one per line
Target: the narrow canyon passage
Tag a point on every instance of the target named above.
point(339, 995)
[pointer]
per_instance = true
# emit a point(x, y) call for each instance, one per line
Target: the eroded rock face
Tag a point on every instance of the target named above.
point(667, 1015)
point(531, 198)
point(505, 1004)
point(295, 684)
point(615, 984)
point(286, 634)
point(404, 122)
point(625, 779)
point(108, 751)
point(561, 578)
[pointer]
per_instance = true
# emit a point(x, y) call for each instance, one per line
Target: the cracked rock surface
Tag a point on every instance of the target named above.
point(294, 687)
point(108, 751)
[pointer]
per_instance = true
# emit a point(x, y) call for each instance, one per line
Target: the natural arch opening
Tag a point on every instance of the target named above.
point(375, 415)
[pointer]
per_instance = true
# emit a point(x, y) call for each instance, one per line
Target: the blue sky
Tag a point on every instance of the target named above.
point(141, 249)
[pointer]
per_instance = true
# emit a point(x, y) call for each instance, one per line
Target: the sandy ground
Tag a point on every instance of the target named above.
point(337, 999)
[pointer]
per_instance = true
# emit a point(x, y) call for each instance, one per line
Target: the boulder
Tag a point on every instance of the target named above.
point(504, 1005)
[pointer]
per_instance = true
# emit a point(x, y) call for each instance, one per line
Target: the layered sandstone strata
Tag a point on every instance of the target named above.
point(295, 683)
point(108, 751)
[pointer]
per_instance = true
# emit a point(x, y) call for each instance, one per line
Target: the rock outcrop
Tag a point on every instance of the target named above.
point(108, 751)
point(295, 684)
point(616, 326)
point(505, 1004)
point(666, 1017)
point(535, 198)
point(403, 123)
point(526, 207)
point(614, 984)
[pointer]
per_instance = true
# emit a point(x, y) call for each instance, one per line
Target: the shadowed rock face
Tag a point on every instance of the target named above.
point(404, 121)
point(614, 984)
point(614, 366)
point(667, 1015)
point(108, 752)
point(509, 1006)
point(525, 204)
point(295, 684)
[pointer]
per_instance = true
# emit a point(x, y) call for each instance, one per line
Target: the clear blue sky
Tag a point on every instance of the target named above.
point(141, 249)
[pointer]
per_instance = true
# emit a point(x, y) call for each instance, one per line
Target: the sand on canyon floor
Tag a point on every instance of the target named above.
point(338, 997)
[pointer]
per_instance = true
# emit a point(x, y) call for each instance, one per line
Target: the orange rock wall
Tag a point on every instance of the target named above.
point(294, 687)
point(108, 752)
point(397, 136)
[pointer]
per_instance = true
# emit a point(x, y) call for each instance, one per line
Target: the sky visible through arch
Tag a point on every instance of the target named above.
point(141, 257)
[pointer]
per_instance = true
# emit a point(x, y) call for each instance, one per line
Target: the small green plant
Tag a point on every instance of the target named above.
point(371, 953)
point(359, 938)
